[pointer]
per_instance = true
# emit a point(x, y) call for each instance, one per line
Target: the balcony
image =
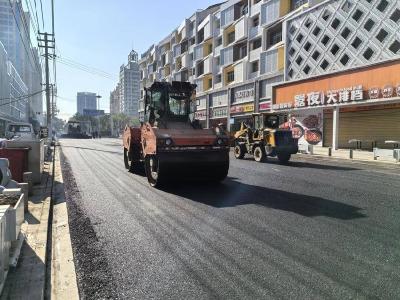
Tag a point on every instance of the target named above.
point(168, 57)
point(270, 12)
point(208, 65)
point(255, 54)
point(272, 60)
point(255, 9)
point(240, 71)
point(241, 29)
point(198, 52)
point(254, 32)
point(177, 50)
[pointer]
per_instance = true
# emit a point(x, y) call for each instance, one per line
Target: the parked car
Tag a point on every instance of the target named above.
point(22, 131)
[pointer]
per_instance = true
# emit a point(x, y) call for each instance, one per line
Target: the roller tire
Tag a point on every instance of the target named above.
point(239, 151)
point(284, 157)
point(220, 173)
point(126, 160)
point(152, 169)
point(259, 154)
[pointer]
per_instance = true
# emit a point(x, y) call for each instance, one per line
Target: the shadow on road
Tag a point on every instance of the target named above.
point(232, 193)
point(300, 164)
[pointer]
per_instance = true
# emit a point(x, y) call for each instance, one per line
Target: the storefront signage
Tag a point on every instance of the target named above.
point(244, 94)
point(219, 112)
point(200, 115)
point(265, 105)
point(341, 96)
point(242, 108)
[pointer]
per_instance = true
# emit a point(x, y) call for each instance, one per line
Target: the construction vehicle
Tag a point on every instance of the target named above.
point(78, 130)
point(170, 143)
point(265, 139)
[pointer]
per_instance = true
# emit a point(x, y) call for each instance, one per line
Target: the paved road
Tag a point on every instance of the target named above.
point(312, 229)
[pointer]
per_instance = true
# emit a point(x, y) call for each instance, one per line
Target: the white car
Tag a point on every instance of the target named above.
point(21, 131)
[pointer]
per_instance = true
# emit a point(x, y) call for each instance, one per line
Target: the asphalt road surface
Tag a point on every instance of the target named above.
point(313, 229)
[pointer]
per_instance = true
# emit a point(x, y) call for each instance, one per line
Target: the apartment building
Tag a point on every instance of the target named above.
point(232, 51)
point(242, 53)
point(115, 101)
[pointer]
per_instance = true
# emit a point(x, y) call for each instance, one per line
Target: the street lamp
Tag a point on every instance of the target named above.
point(98, 113)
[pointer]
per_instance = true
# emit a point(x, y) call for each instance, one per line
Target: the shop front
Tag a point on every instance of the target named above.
point(348, 109)
point(201, 116)
point(218, 115)
point(241, 113)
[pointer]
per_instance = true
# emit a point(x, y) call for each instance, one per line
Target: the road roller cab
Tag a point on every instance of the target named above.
point(171, 143)
point(266, 138)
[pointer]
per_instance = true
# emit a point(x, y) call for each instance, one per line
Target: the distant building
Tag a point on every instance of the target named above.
point(126, 96)
point(115, 101)
point(93, 112)
point(86, 100)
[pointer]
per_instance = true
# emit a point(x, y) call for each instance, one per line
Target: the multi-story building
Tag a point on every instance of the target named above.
point(232, 51)
point(85, 100)
point(115, 101)
point(129, 91)
point(238, 51)
point(15, 36)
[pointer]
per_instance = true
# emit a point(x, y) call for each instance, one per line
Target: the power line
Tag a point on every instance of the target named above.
point(30, 7)
point(20, 98)
point(37, 19)
point(85, 69)
point(68, 60)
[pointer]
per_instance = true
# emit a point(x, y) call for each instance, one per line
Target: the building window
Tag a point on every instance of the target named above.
point(219, 42)
point(347, 6)
point(324, 64)
point(395, 17)
point(325, 40)
point(300, 38)
point(316, 31)
point(275, 37)
point(368, 53)
point(369, 24)
point(256, 21)
point(218, 60)
point(382, 35)
point(292, 51)
point(210, 83)
point(254, 66)
point(298, 3)
point(218, 78)
point(345, 33)
point(308, 23)
point(357, 15)
point(335, 23)
point(306, 69)
point(200, 69)
point(382, 5)
point(344, 60)
point(307, 46)
point(356, 43)
point(256, 44)
point(299, 60)
point(395, 47)
point(231, 37)
point(315, 55)
point(230, 76)
point(334, 49)
point(218, 23)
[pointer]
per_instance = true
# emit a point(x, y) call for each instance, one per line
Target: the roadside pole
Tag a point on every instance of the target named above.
point(48, 44)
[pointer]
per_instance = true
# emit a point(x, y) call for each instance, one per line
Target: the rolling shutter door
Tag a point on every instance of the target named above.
point(374, 125)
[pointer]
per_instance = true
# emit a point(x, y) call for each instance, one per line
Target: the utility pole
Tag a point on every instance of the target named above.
point(48, 44)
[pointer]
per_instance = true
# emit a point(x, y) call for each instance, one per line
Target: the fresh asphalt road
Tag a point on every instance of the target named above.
point(312, 229)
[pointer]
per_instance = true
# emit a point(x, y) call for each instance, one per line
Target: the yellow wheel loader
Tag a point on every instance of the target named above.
point(265, 139)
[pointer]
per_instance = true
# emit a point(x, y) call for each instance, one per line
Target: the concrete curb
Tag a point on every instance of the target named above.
point(357, 160)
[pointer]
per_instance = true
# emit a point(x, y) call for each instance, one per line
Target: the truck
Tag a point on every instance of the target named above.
point(265, 138)
point(78, 130)
point(170, 144)
point(20, 131)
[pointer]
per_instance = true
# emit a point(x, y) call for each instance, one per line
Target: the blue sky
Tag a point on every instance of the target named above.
point(101, 33)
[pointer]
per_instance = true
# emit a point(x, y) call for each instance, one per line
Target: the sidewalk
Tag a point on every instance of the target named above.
point(38, 275)
point(358, 155)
